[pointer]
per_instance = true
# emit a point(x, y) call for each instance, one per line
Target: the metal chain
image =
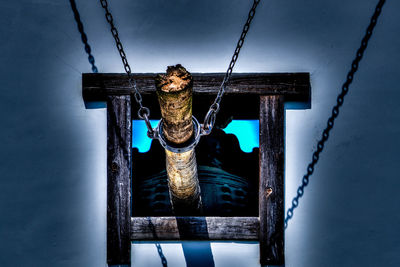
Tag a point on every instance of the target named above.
point(83, 35)
point(158, 246)
point(335, 111)
point(143, 112)
point(210, 117)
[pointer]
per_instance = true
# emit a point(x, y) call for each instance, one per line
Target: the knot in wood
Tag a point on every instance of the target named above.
point(114, 167)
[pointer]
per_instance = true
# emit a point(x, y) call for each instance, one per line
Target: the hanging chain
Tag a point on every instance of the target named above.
point(211, 115)
point(158, 246)
point(143, 112)
point(335, 110)
point(83, 35)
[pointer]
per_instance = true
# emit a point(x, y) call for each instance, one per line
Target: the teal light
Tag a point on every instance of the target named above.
point(140, 140)
point(245, 130)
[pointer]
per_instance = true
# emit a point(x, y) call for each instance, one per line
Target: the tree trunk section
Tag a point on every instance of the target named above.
point(174, 92)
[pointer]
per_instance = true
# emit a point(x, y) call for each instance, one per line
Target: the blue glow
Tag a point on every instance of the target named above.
point(140, 140)
point(245, 130)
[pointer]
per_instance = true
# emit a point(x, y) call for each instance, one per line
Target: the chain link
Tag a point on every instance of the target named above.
point(143, 112)
point(83, 35)
point(211, 115)
point(335, 111)
point(158, 246)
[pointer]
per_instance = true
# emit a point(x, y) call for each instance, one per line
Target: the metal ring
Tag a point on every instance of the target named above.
point(209, 122)
point(143, 112)
point(215, 107)
point(188, 145)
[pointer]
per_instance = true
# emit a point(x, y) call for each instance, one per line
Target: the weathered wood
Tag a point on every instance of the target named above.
point(183, 183)
point(244, 91)
point(174, 93)
point(271, 184)
point(195, 228)
point(295, 86)
point(118, 179)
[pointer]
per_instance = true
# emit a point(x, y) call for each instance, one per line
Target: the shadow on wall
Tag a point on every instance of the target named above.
point(195, 253)
point(198, 254)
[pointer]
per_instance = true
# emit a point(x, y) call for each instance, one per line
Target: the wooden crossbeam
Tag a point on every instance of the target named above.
point(294, 86)
point(194, 228)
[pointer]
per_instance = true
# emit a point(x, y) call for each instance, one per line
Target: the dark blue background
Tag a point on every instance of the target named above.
point(53, 154)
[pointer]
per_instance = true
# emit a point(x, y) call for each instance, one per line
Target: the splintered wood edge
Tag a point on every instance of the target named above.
point(194, 228)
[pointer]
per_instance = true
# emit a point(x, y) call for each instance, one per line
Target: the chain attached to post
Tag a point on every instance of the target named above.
point(211, 115)
point(143, 112)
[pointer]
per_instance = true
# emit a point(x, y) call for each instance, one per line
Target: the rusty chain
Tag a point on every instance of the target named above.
point(335, 111)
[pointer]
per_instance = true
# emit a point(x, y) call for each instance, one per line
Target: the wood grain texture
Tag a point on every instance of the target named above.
point(295, 86)
point(195, 228)
point(271, 185)
point(174, 92)
point(244, 91)
point(118, 179)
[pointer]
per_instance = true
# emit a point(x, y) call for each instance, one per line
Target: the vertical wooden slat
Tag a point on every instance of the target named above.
point(271, 191)
point(118, 179)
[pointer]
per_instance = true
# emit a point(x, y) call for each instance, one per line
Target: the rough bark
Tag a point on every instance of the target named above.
point(174, 91)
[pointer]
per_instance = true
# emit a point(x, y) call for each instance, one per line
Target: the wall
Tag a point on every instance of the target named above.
point(53, 154)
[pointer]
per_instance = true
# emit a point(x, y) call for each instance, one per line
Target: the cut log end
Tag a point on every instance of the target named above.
point(174, 91)
point(176, 79)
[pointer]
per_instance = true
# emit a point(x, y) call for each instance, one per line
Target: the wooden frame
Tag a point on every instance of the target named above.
point(271, 90)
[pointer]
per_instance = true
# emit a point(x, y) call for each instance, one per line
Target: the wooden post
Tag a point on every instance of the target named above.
point(174, 91)
point(118, 179)
point(271, 185)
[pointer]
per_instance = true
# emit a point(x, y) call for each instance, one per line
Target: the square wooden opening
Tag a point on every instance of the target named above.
point(249, 96)
point(228, 176)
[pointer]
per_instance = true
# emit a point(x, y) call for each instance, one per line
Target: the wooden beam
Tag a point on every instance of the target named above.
point(194, 228)
point(118, 179)
point(295, 86)
point(271, 185)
